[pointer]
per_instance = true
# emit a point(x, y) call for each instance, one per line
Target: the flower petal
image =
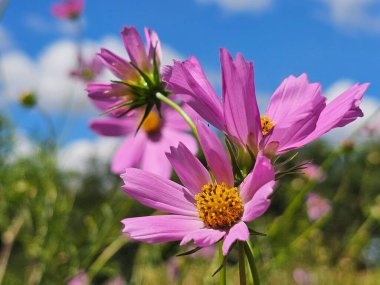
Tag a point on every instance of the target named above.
point(259, 203)
point(203, 237)
point(188, 80)
point(238, 232)
point(113, 127)
point(165, 228)
point(158, 193)
point(117, 65)
point(262, 173)
point(128, 154)
point(188, 168)
point(135, 48)
point(153, 42)
point(294, 109)
point(241, 112)
point(215, 154)
point(338, 113)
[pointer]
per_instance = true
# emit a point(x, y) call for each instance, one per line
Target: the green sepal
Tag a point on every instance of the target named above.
point(148, 108)
point(194, 250)
point(144, 76)
point(237, 172)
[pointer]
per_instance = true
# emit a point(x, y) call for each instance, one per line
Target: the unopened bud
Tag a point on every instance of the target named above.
point(348, 145)
point(28, 99)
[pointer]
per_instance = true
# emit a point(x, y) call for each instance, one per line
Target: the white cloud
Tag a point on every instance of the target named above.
point(77, 156)
point(354, 14)
point(241, 5)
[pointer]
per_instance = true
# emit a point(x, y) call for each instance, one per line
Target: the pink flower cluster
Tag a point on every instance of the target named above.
point(214, 203)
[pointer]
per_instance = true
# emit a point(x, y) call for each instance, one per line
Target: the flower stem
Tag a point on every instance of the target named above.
point(242, 276)
point(176, 107)
point(251, 261)
point(222, 272)
point(106, 255)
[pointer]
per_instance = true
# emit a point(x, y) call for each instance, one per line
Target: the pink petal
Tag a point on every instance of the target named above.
point(135, 48)
point(294, 108)
point(341, 111)
point(113, 127)
point(117, 65)
point(174, 120)
point(158, 193)
point(154, 229)
point(259, 203)
point(188, 168)
point(154, 159)
point(188, 80)
point(241, 112)
point(238, 232)
point(294, 100)
point(153, 42)
point(215, 155)
point(203, 237)
point(262, 173)
point(128, 154)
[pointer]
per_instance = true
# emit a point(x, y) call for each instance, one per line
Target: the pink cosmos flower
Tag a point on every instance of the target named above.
point(87, 70)
point(301, 276)
point(118, 92)
point(317, 206)
point(314, 172)
point(80, 279)
point(146, 148)
point(297, 113)
point(202, 210)
point(68, 9)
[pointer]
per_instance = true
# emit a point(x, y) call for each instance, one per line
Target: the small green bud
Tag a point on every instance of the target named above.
point(27, 99)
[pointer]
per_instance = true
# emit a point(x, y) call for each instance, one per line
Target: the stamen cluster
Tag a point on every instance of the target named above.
point(219, 207)
point(266, 124)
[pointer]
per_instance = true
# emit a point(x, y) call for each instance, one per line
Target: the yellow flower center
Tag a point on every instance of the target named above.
point(266, 124)
point(152, 123)
point(219, 207)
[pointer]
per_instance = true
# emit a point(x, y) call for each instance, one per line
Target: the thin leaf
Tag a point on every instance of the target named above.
point(189, 251)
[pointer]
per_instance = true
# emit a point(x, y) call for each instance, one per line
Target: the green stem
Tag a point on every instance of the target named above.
point(188, 120)
point(251, 261)
point(8, 240)
point(243, 280)
point(105, 256)
point(222, 272)
point(176, 107)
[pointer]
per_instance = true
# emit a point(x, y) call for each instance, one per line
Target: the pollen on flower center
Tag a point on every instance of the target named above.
point(266, 124)
point(219, 207)
point(152, 123)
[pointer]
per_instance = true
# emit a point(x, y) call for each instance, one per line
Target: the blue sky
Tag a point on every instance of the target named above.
point(333, 41)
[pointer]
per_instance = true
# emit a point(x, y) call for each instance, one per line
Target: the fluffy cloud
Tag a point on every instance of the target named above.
point(77, 156)
point(355, 14)
point(241, 5)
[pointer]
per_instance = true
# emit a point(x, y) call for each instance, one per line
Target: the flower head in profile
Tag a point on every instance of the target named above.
point(146, 148)
point(68, 9)
point(317, 206)
point(205, 210)
point(296, 115)
point(87, 70)
point(138, 79)
point(314, 172)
